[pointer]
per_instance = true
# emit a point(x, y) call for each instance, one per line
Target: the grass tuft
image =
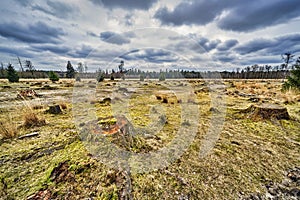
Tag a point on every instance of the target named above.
point(31, 119)
point(8, 129)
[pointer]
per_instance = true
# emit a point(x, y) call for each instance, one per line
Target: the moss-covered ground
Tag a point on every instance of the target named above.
point(247, 155)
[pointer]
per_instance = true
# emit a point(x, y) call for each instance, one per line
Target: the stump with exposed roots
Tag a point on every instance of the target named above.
point(267, 111)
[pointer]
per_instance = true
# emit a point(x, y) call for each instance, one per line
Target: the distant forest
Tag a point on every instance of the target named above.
point(282, 71)
point(253, 72)
point(169, 74)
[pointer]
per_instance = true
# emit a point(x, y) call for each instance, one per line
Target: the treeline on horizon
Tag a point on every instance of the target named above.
point(250, 72)
point(253, 72)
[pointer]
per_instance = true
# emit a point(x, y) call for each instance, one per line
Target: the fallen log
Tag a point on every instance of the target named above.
point(29, 135)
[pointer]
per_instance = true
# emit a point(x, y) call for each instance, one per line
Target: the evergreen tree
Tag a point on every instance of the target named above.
point(70, 71)
point(294, 79)
point(12, 75)
point(53, 76)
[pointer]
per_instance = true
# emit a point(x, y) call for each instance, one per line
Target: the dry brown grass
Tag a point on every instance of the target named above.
point(63, 106)
point(31, 119)
point(289, 97)
point(253, 87)
point(8, 128)
point(240, 85)
point(37, 107)
point(30, 116)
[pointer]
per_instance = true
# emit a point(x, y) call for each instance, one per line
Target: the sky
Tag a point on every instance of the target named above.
point(148, 34)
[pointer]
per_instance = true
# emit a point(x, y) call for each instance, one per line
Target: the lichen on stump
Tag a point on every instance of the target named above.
point(267, 111)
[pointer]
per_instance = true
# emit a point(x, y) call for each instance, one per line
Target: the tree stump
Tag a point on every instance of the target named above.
point(106, 100)
point(267, 111)
point(54, 109)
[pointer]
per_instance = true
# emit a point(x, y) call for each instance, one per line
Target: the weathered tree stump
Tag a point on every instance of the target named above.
point(267, 111)
point(55, 109)
point(106, 100)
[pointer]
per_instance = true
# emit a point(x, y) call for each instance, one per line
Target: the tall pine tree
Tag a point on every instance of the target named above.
point(70, 71)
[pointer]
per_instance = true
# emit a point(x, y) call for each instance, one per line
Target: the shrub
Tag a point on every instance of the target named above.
point(12, 75)
point(53, 76)
point(293, 81)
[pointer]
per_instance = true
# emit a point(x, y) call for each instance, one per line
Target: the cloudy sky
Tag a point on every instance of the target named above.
point(149, 34)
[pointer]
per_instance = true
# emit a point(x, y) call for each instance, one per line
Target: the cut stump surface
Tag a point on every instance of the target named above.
point(267, 111)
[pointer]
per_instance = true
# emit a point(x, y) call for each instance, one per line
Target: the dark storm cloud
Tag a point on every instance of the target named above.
point(186, 44)
point(125, 4)
point(275, 46)
point(259, 14)
point(33, 33)
point(150, 55)
point(228, 44)
point(16, 51)
point(226, 58)
point(114, 38)
point(196, 43)
point(182, 47)
point(81, 52)
point(256, 45)
point(23, 2)
point(205, 43)
point(209, 45)
point(55, 8)
point(240, 16)
point(89, 33)
point(193, 12)
point(51, 48)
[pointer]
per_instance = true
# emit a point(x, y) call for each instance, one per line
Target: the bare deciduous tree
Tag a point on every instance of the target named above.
point(29, 66)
